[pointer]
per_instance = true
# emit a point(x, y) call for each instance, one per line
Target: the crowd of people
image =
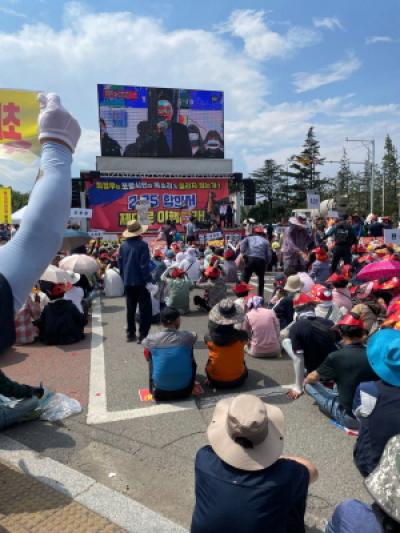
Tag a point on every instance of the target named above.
point(334, 311)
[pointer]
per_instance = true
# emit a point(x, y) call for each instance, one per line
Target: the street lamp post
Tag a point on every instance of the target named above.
point(368, 144)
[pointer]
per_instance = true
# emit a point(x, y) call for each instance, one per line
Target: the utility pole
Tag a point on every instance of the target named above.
point(369, 144)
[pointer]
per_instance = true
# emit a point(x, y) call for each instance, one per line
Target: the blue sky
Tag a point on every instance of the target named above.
point(284, 65)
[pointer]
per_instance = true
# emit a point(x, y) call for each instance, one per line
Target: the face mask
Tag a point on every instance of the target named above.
point(213, 145)
point(193, 136)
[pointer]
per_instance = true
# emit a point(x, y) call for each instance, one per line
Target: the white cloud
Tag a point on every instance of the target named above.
point(341, 70)
point(260, 42)
point(12, 12)
point(331, 23)
point(379, 39)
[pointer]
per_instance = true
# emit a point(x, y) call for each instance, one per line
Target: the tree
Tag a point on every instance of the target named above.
point(344, 175)
point(390, 171)
point(18, 199)
point(304, 166)
point(271, 189)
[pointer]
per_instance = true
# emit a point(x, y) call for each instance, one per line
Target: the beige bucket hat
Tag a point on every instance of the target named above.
point(293, 284)
point(246, 432)
point(134, 229)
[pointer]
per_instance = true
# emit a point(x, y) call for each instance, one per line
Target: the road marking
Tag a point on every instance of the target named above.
point(97, 408)
point(97, 405)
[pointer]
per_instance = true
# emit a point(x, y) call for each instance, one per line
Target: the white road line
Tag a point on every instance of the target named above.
point(97, 408)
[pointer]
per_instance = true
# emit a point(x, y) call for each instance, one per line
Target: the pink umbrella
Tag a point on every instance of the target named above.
point(385, 269)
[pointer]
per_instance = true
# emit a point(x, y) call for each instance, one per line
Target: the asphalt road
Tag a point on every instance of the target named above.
point(150, 452)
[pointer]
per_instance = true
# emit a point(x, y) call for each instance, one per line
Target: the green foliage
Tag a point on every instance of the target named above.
point(18, 199)
point(390, 178)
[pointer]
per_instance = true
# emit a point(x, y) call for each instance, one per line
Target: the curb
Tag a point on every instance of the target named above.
point(121, 510)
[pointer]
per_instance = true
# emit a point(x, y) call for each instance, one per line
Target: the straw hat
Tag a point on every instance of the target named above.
point(294, 284)
point(226, 313)
point(247, 433)
point(134, 229)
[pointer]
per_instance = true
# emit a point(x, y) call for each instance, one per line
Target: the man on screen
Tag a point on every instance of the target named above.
point(109, 147)
point(172, 137)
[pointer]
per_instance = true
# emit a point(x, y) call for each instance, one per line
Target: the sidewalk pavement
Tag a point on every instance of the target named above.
point(26, 504)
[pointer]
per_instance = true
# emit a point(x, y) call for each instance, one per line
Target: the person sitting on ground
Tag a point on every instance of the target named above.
point(320, 269)
point(169, 258)
point(25, 318)
point(325, 307)
point(262, 327)
point(113, 284)
point(347, 367)
point(242, 291)
point(284, 308)
point(377, 403)
point(73, 293)
point(226, 367)
point(160, 266)
point(23, 409)
point(383, 485)
point(341, 295)
point(370, 311)
point(242, 480)
point(310, 341)
point(178, 287)
point(214, 289)
point(191, 265)
point(60, 321)
point(172, 368)
point(229, 267)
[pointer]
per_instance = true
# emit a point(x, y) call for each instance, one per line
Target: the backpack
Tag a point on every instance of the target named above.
point(343, 235)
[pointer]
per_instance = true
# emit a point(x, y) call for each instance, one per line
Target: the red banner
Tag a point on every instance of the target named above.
point(114, 200)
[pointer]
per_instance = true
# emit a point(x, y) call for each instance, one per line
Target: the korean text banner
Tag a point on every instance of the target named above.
point(156, 122)
point(19, 112)
point(113, 201)
point(5, 205)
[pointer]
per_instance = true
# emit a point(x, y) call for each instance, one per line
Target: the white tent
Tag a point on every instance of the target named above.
point(16, 217)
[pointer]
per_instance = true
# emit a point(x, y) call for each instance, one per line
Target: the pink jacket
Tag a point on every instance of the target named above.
point(262, 326)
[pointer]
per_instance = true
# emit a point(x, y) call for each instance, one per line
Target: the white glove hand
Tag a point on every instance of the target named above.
point(55, 122)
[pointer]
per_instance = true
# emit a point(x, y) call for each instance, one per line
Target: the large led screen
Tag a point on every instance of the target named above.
point(155, 122)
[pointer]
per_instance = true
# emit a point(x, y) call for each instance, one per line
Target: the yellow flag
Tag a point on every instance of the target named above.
point(5, 205)
point(19, 112)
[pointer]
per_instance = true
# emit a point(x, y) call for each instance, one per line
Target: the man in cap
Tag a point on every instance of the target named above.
point(134, 259)
point(377, 403)
point(243, 483)
point(383, 485)
point(344, 237)
point(310, 341)
point(347, 367)
point(256, 252)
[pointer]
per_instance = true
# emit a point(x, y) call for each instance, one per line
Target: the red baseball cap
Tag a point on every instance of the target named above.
point(177, 272)
point(241, 287)
point(336, 278)
point(303, 299)
point(321, 293)
point(158, 253)
point(229, 253)
point(259, 229)
point(351, 320)
point(211, 272)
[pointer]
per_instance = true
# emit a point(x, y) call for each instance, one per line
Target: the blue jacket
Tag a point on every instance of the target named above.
point(134, 258)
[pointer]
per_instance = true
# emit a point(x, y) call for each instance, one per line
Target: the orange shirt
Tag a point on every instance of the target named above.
point(226, 363)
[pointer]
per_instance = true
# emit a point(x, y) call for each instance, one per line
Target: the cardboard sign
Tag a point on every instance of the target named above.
point(391, 236)
point(77, 212)
point(313, 200)
point(216, 236)
point(96, 233)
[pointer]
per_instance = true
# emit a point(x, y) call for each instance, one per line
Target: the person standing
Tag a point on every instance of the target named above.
point(229, 215)
point(344, 239)
point(134, 259)
point(256, 252)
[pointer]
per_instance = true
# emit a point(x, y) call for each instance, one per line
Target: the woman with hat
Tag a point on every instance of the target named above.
point(377, 403)
point(134, 261)
point(178, 287)
point(226, 367)
point(341, 295)
point(229, 266)
point(296, 241)
point(214, 289)
point(383, 485)
point(242, 480)
point(242, 291)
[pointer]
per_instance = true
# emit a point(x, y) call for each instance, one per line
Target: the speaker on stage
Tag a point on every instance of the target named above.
point(249, 190)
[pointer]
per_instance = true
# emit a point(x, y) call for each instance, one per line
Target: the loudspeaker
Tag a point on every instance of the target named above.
point(76, 193)
point(249, 189)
